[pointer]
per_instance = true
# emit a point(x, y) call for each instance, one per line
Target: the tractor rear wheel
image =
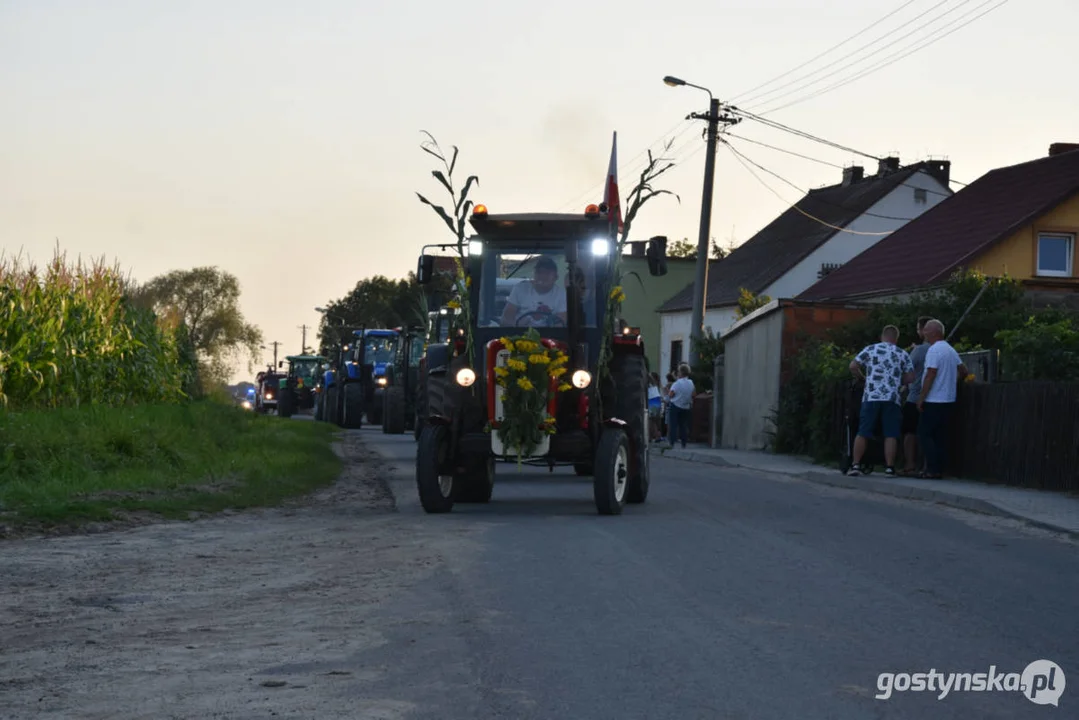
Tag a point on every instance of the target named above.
point(612, 471)
point(631, 378)
point(435, 480)
point(352, 413)
point(421, 409)
point(393, 420)
point(477, 482)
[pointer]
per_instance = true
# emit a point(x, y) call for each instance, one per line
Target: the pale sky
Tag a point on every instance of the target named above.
point(280, 141)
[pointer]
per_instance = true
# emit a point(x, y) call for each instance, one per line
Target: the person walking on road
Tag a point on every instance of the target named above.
point(682, 391)
point(884, 368)
point(943, 370)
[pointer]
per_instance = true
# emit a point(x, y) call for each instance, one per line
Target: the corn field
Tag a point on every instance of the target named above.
point(69, 335)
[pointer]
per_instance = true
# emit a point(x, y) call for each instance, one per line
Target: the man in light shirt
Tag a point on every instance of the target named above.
point(943, 370)
point(539, 302)
point(682, 392)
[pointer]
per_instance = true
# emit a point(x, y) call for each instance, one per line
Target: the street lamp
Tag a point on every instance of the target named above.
point(700, 297)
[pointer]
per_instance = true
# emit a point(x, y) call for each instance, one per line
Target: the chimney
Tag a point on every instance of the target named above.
point(853, 174)
point(1061, 148)
point(941, 170)
point(887, 166)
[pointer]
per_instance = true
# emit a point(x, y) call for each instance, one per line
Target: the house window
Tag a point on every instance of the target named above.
point(919, 195)
point(676, 355)
point(1055, 252)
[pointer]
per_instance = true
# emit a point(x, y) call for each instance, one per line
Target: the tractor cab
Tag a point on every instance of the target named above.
point(548, 275)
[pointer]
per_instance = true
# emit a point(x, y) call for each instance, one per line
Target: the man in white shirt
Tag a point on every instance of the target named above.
point(682, 392)
point(539, 302)
point(943, 370)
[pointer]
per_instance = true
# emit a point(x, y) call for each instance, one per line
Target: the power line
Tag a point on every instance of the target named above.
point(834, 47)
point(870, 44)
point(840, 167)
point(895, 57)
point(739, 157)
point(800, 133)
point(806, 192)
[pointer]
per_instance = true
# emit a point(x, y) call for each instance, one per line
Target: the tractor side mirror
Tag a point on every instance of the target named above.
point(425, 268)
point(657, 256)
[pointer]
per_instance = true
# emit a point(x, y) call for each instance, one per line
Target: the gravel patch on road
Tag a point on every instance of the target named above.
point(261, 614)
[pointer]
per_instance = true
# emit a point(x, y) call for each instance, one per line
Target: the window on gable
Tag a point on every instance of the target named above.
point(1055, 254)
point(919, 195)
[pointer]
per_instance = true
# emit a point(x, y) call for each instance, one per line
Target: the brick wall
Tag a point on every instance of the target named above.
point(813, 320)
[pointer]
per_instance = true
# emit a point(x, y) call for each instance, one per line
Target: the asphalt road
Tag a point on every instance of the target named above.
point(730, 594)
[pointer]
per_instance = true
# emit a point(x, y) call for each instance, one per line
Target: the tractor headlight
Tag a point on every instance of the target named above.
point(382, 381)
point(581, 378)
point(600, 246)
point(465, 377)
point(269, 396)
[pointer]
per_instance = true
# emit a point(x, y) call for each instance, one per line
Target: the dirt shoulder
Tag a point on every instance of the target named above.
point(255, 614)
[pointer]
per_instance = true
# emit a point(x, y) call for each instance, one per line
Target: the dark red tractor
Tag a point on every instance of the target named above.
point(547, 275)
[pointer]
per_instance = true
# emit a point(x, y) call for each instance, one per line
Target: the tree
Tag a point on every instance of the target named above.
point(207, 301)
point(376, 302)
point(748, 302)
point(686, 249)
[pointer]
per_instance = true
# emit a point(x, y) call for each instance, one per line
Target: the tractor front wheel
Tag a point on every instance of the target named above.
point(631, 379)
point(352, 415)
point(331, 413)
point(393, 411)
point(611, 471)
point(434, 477)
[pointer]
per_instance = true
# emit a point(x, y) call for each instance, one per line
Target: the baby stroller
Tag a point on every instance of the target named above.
point(874, 451)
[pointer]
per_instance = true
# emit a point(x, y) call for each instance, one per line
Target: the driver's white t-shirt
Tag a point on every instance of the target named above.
point(526, 299)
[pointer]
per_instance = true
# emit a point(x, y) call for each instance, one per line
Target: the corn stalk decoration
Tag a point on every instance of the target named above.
point(457, 226)
point(641, 193)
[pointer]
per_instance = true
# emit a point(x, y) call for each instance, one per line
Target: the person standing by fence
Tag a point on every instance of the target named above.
point(943, 370)
point(911, 414)
point(885, 368)
point(655, 406)
point(682, 391)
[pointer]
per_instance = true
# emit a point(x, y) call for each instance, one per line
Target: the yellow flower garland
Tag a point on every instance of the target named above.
point(525, 381)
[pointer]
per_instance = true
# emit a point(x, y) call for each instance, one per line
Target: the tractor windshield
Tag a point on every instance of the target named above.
point(305, 368)
point(523, 288)
point(379, 350)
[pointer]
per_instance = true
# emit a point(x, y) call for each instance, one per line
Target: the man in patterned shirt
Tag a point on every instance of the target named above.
point(884, 367)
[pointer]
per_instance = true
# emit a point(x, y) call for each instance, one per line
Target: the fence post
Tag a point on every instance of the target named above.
point(717, 400)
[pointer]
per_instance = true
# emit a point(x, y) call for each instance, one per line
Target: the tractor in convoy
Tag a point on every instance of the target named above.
point(402, 375)
point(344, 386)
point(439, 329)
point(296, 389)
point(267, 383)
point(374, 351)
point(559, 267)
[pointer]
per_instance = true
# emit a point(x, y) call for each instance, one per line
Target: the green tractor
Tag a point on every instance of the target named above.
point(558, 268)
point(402, 374)
point(296, 389)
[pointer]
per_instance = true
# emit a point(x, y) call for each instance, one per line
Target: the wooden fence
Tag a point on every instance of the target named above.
point(1024, 434)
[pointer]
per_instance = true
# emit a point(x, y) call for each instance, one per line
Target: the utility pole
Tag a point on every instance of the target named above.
point(303, 342)
point(275, 344)
point(700, 297)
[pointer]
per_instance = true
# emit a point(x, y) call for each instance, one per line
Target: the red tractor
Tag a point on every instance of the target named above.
point(547, 275)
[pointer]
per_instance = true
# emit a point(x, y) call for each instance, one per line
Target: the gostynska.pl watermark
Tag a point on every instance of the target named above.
point(1042, 682)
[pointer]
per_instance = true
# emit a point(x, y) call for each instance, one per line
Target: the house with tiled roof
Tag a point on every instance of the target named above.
point(1021, 221)
point(822, 231)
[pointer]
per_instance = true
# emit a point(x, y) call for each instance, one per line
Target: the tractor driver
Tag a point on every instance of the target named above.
point(532, 303)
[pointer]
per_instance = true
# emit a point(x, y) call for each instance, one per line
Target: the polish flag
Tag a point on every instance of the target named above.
point(610, 190)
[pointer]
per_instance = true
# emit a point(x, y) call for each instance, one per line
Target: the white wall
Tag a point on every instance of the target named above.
point(843, 246)
point(676, 326)
point(751, 382)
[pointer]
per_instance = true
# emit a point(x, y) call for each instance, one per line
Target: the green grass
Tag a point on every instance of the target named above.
point(72, 465)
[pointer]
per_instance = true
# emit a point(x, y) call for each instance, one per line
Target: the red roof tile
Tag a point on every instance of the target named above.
point(928, 249)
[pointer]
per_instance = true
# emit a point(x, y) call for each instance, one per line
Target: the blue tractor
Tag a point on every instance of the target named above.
point(375, 350)
point(352, 385)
